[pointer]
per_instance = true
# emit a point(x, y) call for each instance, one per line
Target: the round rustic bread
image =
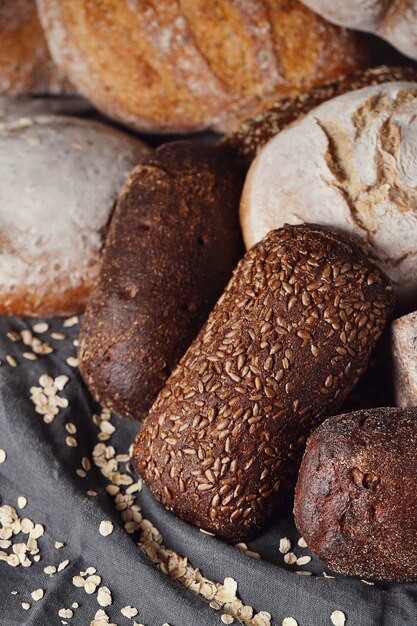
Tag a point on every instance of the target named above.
point(172, 247)
point(348, 164)
point(356, 495)
point(170, 66)
point(25, 63)
point(404, 359)
point(394, 20)
point(283, 347)
point(60, 178)
point(252, 134)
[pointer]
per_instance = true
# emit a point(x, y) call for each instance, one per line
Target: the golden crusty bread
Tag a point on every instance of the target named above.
point(25, 63)
point(182, 65)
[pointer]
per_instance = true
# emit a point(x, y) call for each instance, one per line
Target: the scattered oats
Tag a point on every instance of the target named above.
point(327, 575)
point(91, 493)
point(303, 573)
point(68, 613)
point(14, 593)
point(13, 336)
point(81, 473)
point(63, 565)
point(2, 456)
point(90, 587)
point(129, 611)
point(30, 356)
point(50, 569)
point(75, 605)
point(41, 327)
point(71, 428)
point(303, 560)
point(61, 381)
point(367, 582)
point(89, 571)
point(72, 361)
point(37, 594)
point(25, 606)
point(37, 558)
point(104, 596)
point(284, 545)
point(106, 528)
point(85, 462)
point(78, 581)
point(302, 542)
point(227, 619)
point(58, 336)
point(12, 361)
point(59, 544)
point(289, 621)
point(76, 343)
point(37, 531)
point(112, 489)
point(70, 321)
point(71, 442)
point(338, 618)
point(290, 558)
point(206, 532)
point(21, 502)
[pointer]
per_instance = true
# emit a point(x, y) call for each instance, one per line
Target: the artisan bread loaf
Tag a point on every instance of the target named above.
point(25, 63)
point(348, 164)
point(181, 66)
point(172, 246)
point(283, 347)
point(356, 495)
point(394, 20)
point(60, 178)
point(252, 134)
point(404, 359)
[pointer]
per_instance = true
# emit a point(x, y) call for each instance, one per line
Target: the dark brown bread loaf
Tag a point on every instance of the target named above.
point(254, 133)
point(172, 247)
point(356, 495)
point(284, 345)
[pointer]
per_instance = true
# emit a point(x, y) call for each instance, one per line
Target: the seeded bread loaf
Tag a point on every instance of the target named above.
point(404, 358)
point(356, 495)
point(25, 63)
point(284, 345)
point(182, 66)
point(245, 142)
point(172, 247)
point(60, 178)
point(348, 164)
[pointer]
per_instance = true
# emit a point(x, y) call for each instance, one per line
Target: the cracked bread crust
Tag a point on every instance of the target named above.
point(356, 495)
point(355, 157)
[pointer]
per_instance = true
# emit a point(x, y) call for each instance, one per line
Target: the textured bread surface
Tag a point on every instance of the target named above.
point(172, 247)
point(404, 358)
point(25, 63)
point(283, 347)
point(356, 495)
point(60, 178)
point(394, 20)
point(177, 65)
point(252, 134)
point(348, 164)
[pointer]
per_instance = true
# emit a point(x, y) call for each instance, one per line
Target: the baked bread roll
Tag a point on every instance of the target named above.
point(170, 66)
point(60, 178)
point(404, 358)
point(394, 20)
point(172, 247)
point(252, 134)
point(348, 164)
point(283, 347)
point(25, 63)
point(356, 496)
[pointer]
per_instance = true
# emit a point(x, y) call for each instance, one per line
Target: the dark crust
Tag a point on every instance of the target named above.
point(172, 247)
point(283, 347)
point(254, 133)
point(356, 495)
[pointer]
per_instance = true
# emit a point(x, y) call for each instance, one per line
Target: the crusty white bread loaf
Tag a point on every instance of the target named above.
point(60, 178)
point(349, 164)
point(404, 359)
point(180, 66)
point(394, 20)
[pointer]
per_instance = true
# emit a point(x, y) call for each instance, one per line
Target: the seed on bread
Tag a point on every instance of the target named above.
point(221, 445)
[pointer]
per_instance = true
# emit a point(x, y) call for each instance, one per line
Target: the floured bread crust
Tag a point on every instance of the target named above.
point(404, 359)
point(60, 178)
point(349, 164)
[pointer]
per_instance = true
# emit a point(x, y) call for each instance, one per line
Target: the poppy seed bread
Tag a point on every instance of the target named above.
point(284, 345)
point(172, 247)
point(356, 495)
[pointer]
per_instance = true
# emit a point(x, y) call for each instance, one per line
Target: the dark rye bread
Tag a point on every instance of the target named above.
point(356, 495)
point(254, 133)
point(172, 246)
point(283, 347)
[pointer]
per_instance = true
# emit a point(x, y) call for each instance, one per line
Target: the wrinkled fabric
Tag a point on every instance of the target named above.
point(42, 467)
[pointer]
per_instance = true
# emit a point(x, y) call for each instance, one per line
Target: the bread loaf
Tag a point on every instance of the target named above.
point(356, 495)
point(25, 64)
point(252, 134)
point(284, 345)
point(394, 20)
point(172, 246)
point(348, 164)
point(60, 177)
point(404, 357)
point(182, 66)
